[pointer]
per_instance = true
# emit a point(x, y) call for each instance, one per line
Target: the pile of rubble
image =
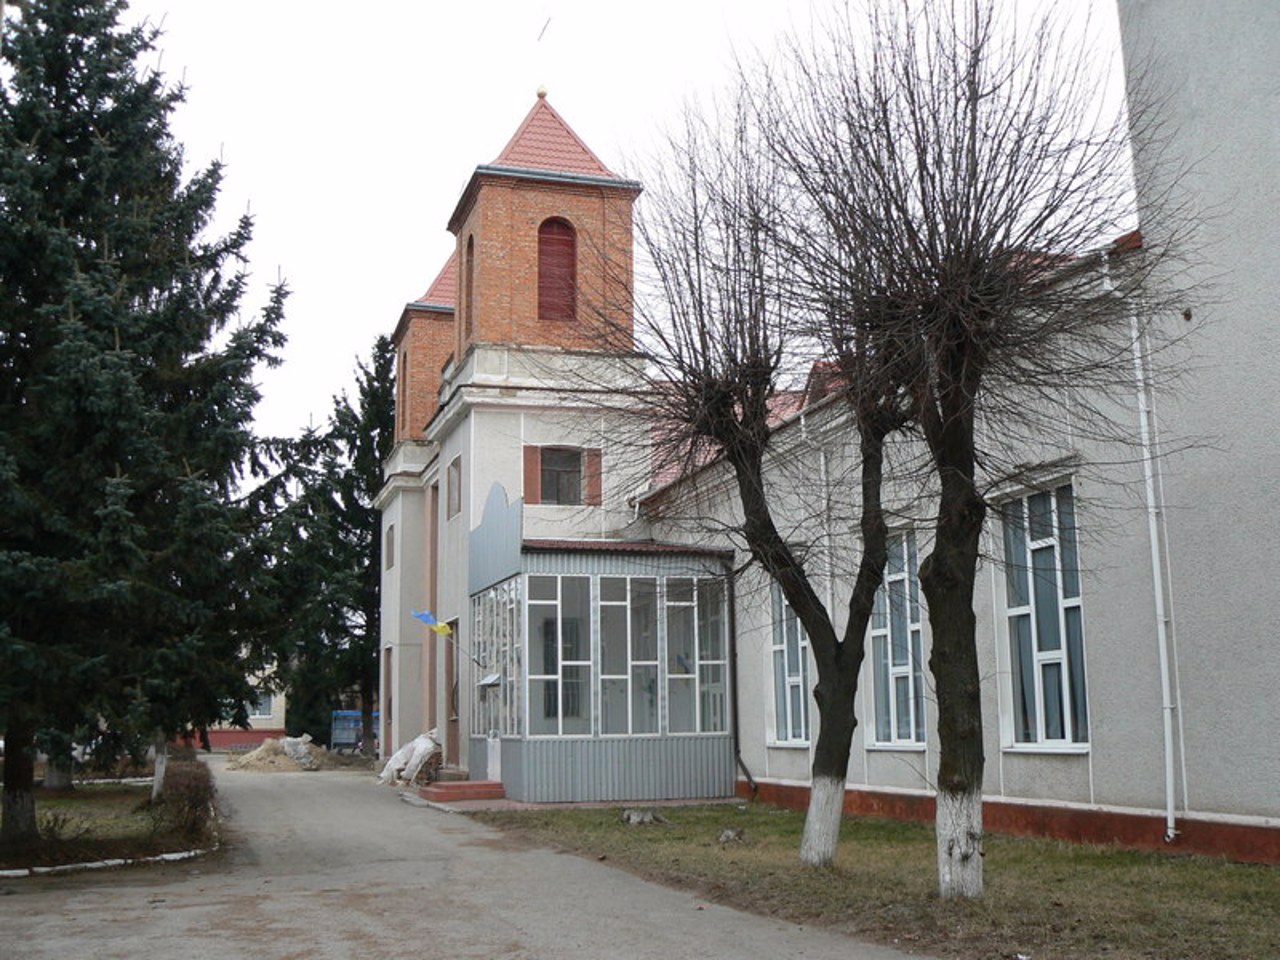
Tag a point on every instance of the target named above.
point(287, 753)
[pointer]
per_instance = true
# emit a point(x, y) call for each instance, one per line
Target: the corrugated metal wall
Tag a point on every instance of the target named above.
point(632, 768)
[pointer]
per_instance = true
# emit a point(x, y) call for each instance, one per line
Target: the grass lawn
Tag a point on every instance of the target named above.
point(1044, 899)
point(103, 821)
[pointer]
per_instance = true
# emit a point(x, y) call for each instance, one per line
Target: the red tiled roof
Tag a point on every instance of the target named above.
point(545, 142)
point(443, 291)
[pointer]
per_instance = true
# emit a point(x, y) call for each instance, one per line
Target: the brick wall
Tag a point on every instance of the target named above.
point(504, 221)
point(423, 341)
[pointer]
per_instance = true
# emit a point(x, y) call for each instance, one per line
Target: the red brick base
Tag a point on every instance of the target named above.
point(1249, 844)
point(234, 739)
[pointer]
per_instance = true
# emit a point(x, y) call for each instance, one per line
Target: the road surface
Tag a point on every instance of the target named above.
point(330, 866)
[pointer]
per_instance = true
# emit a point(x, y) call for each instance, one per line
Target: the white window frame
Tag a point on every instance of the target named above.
point(791, 687)
point(255, 706)
point(633, 663)
point(706, 673)
point(897, 628)
point(1040, 673)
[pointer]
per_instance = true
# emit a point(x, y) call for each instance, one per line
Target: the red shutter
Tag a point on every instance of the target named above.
point(557, 271)
point(591, 472)
point(532, 474)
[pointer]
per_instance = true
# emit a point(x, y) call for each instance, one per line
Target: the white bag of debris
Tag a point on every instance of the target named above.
point(298, 750)
point(409, 759)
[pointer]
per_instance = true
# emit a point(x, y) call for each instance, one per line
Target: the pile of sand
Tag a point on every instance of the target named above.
point(271, 757)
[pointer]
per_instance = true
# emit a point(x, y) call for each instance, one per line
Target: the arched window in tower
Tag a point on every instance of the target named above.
point(557, 270)
point(469, 277)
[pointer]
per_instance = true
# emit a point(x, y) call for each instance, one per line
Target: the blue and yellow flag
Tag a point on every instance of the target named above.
point(426, 617)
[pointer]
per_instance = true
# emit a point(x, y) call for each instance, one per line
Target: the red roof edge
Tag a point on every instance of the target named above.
point(443, 291)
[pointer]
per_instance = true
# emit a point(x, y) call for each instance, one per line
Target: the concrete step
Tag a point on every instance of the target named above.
point(451, 791)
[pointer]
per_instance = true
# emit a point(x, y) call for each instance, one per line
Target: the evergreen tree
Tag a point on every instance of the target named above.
point(127, 567)
point(329, 549)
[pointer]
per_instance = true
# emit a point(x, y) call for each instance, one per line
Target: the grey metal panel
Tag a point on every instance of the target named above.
point(633, 768)
point(513, 767)
point(478, 758)
point(493, 550)
point(622, 564)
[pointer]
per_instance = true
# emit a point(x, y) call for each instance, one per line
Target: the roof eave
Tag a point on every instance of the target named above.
point(494, 171)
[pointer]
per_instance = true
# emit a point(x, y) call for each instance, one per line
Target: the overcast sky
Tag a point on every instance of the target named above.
point(349, 130)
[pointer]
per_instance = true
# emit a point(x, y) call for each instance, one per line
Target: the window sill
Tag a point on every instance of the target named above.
point(787, 744)
point(1063, 749)
point(896, 747)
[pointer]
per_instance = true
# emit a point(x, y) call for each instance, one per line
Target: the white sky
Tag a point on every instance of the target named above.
point(349, 131)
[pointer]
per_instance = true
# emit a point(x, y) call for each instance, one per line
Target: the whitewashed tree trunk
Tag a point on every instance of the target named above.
point(162, 764)
point(959, 831)
point(822, 822)
point(57, 774)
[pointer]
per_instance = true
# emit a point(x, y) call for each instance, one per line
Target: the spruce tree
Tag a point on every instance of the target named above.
point(329, 551)
point(127, 566)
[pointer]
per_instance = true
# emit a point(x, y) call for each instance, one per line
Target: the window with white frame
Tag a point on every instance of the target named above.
point(496, 616)
point(560, 655)
point(790, 673)
point(628, 655)
point(896, 650)
point(261, 704)
point(1046, 623)
point(661, 656)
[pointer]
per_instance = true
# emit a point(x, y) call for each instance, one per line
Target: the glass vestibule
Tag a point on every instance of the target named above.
point(601, 656)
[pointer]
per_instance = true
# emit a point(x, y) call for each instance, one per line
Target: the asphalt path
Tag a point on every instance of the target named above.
point(331, 865)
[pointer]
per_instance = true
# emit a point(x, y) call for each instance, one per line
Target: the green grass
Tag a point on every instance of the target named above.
point(1044, 899)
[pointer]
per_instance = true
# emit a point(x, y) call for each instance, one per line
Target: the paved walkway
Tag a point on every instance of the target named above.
point(330, 865)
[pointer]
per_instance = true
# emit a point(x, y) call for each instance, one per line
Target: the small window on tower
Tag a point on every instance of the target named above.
point(561, 475)
point(557, 270)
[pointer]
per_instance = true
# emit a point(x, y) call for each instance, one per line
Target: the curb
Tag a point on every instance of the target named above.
point(104, 864)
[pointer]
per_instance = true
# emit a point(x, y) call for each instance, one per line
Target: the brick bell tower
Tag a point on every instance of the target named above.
point(544, 245)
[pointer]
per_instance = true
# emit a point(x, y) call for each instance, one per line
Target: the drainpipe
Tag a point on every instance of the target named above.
point(1157, 569)
point(731, 600)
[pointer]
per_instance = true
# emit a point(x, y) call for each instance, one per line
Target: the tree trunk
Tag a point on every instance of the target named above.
point(947, 577)
point(57, 774)
point(830, 771)
point(838, 667)
point(161, 765)
point(368, 697)
point(18, 828)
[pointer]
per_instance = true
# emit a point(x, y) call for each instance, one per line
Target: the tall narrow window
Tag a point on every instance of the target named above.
point(389, 547)
point(454, 487)
point(469, 286)
point(790, 673)
point(557, 270)
point(1046, 625)
point(896, 654)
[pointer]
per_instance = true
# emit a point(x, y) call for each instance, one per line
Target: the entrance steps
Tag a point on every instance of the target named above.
point(451, 791)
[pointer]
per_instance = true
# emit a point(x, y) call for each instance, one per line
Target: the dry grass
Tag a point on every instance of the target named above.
point(102, 821)
point(1045, 900)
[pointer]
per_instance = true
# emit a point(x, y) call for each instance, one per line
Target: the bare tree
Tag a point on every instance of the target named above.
point(721, 339)
point(950, 174)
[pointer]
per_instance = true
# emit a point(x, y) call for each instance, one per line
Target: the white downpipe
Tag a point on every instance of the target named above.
point(1157, 582)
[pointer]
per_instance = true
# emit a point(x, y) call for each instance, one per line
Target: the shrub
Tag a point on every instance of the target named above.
point(188, 803)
